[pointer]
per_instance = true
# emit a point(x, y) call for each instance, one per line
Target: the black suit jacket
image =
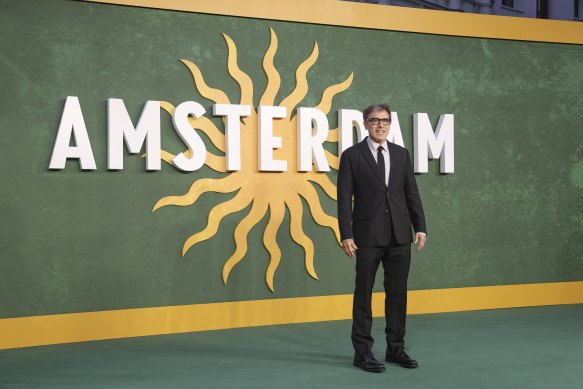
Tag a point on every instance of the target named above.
point(366, 223)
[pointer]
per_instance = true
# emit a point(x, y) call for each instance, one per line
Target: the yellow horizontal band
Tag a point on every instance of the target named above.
point(380, 17)
point(89, 326)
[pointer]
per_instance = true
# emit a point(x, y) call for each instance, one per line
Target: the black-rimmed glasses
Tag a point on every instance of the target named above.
point(377, 121)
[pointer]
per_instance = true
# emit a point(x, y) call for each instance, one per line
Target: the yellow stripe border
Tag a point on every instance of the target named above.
point(89, 326)
point(380, 17)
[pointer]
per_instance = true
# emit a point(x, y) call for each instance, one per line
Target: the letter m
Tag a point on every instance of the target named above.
point(433, 145)
point(120, 128)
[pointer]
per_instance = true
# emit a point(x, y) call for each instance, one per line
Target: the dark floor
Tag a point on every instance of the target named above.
point(509, 348)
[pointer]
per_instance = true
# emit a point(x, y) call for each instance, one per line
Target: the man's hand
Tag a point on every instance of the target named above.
point(421, 238)
point(349, 247)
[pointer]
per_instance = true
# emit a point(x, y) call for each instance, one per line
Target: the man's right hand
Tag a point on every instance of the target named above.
point(349, 247)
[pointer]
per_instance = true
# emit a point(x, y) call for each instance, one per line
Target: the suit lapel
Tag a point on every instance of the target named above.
point(392, 156)
point(369, 158)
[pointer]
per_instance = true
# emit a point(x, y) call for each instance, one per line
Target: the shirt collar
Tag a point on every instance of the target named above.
point(374, 146)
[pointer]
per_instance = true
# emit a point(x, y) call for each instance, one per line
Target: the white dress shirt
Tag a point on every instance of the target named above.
point(374, 150)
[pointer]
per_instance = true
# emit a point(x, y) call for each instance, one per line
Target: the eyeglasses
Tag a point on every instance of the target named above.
point(376, 121)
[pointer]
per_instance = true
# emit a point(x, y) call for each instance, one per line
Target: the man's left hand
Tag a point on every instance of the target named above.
point(420, 240)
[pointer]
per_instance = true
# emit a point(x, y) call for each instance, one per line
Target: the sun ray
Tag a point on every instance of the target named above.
point(216, 95)
point(297, 232)
point(203, 124)
point(276, 213)
point(325, 183)
point(238, 75)
point(216, 215)
point(273, 78)
point(332, 91)
point(199, 187)
point(165, 156)
point(320, 217)
point(168, 107)
point(214, 134)
point(332, 135)
point(256, 213)
point(215, 162)
point(301, 88)
point(332, 160)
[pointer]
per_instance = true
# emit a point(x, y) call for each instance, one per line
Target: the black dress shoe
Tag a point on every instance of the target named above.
point(367, 362)
point(399, 356)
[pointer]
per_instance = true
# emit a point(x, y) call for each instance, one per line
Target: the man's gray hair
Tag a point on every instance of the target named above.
point(377, 107)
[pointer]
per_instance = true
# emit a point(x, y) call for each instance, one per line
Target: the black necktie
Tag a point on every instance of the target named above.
point(381, 163)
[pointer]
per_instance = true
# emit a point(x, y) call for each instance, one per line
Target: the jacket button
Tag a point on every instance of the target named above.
point(386, 211)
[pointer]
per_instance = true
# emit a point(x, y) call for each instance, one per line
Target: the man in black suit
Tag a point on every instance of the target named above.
point(386, 204)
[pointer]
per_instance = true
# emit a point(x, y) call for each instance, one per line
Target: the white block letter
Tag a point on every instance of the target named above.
point(429, 145)
point(395, 135)
point(72, 123)
point(310, 141)
point(234, 113)
point(268, 142)
point(189, 136)
point(120, 128)
point(347, 118)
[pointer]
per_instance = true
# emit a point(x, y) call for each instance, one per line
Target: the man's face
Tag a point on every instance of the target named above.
point(378, 132)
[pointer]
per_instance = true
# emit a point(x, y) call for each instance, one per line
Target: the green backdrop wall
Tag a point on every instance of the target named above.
point(75, 241)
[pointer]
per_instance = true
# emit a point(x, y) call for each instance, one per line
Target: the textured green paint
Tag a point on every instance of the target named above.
point(75, 241)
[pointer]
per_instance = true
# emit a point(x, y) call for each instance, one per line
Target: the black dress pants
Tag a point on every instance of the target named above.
point(396, 260)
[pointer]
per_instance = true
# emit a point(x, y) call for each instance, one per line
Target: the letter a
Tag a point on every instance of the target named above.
point(72, 124)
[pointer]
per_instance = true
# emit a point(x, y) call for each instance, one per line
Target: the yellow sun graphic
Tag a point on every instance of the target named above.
point(271, 191)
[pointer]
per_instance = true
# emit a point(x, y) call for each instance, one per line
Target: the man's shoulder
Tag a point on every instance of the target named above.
point(363, 145)
point(352, 149)
point(396, 148)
